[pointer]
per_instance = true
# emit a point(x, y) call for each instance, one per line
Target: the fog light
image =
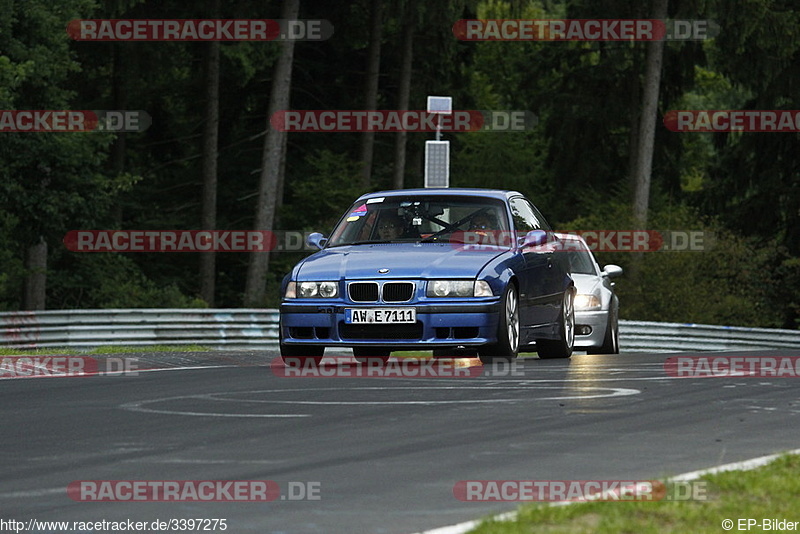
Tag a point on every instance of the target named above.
point(583, 330)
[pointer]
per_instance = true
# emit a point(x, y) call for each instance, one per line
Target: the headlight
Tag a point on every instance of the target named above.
point(328, 289)
point(587, 302)
point(458, 288)
point(306, 290)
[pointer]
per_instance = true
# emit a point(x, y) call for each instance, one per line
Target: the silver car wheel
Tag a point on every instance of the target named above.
point(569, 321)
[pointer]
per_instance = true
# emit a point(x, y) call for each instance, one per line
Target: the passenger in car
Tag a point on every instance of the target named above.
point(393, 226)
point(390, 227)
point(482, 221)
point(483, 229)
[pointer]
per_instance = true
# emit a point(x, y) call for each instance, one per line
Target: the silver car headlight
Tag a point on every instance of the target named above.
point(308, 290)
point(585, 302)
point(458, 288)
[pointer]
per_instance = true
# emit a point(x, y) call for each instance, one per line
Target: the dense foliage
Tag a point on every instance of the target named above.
point(576, 164)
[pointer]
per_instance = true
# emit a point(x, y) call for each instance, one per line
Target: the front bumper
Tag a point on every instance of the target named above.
point(597, 321)
point(439, 324)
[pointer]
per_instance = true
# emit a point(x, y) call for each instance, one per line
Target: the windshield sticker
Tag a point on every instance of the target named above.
point(358, 212)
point(375, 200)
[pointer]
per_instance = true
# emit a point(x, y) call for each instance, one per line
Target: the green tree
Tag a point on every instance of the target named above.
point(49, 182)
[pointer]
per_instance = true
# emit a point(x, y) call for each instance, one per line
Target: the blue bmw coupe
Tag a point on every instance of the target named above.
point(456, 271)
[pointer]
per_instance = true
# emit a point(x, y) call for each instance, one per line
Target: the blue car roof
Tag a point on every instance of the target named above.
point(499, 194)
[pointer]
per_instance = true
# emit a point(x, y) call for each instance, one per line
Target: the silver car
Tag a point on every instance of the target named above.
point(596, 304)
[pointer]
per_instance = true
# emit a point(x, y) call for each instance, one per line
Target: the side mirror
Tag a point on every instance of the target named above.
point(612, 270)
point(316, 240)
point(534, 238)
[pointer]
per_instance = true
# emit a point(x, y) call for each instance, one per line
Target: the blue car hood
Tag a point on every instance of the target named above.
point(404, 260)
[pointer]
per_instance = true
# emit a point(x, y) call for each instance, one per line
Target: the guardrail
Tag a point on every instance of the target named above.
point(257, 329)
point(220, 329)
point(668, 337)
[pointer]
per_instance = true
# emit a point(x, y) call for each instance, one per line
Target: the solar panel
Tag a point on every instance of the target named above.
point(437, 163)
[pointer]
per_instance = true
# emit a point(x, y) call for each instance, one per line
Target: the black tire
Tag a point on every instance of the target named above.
point(374, 355)
point(508, 330)
point(611, 340)
point(561, 347)
point(299, 356)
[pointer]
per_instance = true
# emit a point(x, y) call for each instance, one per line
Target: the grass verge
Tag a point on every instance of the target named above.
point(765, 493)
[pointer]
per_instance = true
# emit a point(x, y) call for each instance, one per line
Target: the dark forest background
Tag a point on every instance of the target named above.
point(209, 155)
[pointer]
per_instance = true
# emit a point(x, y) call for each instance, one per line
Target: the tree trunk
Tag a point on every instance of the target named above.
point(647, 122)
point(270, 164)
point(208, 259)
point(282, 175)
point(371, 91)
point(404, 92)
point(36, 279)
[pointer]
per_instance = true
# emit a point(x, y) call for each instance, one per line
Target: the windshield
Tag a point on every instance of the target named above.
point(417, 218)
point(580, 259)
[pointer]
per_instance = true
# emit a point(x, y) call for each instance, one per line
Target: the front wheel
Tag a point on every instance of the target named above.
point(301, 355)
point(507, 346)
point(561, 347)
point(611, 341)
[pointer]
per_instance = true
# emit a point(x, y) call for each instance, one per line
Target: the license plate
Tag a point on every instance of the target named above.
point(380, 315)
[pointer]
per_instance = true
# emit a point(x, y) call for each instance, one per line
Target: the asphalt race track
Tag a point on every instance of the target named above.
point(384, 453)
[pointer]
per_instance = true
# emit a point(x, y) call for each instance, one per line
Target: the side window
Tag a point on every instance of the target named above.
point(539, 217)
point(526, 218)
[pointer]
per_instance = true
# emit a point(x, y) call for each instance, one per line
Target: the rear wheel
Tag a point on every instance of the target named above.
point(371, 355)
point(561, 347)
point(507, 345)
point(611, 341)
point(301, 355)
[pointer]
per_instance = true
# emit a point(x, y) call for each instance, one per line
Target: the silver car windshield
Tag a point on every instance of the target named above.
point(580, 261)
point(418, 218)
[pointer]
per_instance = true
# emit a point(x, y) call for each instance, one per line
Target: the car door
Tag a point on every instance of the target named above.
point(558, 268)
point(541, 278)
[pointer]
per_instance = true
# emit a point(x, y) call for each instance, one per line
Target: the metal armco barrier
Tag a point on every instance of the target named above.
point(257, 329)
point(221, 329)
point(636, 336)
